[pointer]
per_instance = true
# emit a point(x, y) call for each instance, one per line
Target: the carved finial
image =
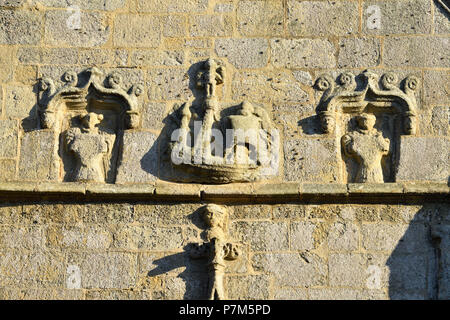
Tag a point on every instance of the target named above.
point(324, 82)
point(114, 80)
point(137, 90)
point(71, 78)
point(389, 81)
point(347, 81)
point(411, 84)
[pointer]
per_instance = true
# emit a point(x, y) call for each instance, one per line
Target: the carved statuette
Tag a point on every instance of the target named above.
point(208, 148)
point(367, 145)
point(90, 111)
point(216, 250)
point(369, 119)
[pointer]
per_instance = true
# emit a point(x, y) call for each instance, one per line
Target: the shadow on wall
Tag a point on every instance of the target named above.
point(419, 264)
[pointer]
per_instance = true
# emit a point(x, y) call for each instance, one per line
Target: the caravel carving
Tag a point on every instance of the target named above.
point(217, 250)
point(208, 148)
point(89, 113)
point(368, 121)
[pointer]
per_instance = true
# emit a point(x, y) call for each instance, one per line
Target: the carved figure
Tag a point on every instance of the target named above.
point(89, 148)
point(217, 250)
point(367, 146)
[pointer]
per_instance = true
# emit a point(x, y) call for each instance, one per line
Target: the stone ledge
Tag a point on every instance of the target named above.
point(253, 192)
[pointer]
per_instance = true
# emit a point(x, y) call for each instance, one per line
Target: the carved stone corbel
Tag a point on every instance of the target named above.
point(216, 250)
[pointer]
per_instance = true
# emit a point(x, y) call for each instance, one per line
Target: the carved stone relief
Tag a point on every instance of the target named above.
point(88, 115)
point(216, 250)
point(206, 147)
point(368, 119)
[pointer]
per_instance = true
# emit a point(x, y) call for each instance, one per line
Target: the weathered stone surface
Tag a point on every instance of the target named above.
point(37, 55)
point(260, 18)
point(139, 161)
point(279, 87)
point(210, 25)
point(148, 238)
point(137, 31)
point(157, 58)
point(174, 26)
point(153, 115)
point(19, 101)
point(262, 236)
point(110, 5)
point(428, 52)
point(305, 269)
point(168, 84)
point(302, 53)
point(441, 21)
point(302, 235)
point(343, 236)
point(97, 57)
point(105, 270)
point(291, 294)
point(7, 169)
point(417, 151)
point(8, 138)
point(21, 237)
point(248, 287)
point(172, 6)
point(243, 53)
point(20, 27)
point(398, 17)
point(37, 160)
point(359, 52)
point(94, 29)
point(436, 86)
point(310, 160)
point(319, 18)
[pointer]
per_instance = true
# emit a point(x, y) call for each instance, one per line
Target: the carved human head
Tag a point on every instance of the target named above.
point(215, 215)
point(409, 123)
point(366, 121)
point(90, 120)
point(132, 119)
point(327, 121)
point(48, 119)
point(247, 109)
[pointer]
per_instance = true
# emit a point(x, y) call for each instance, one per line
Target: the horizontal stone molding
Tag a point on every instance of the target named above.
point(239, 192)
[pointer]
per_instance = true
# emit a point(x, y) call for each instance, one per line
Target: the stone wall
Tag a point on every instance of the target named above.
point(315, 228)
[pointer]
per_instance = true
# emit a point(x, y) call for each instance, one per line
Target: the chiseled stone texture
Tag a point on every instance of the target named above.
point(322, 18)
point(8, 138)
point(398, 17)
point(260, 18)
point(139, 161)
point(137, 31)
point(424, 158)
point(244, 53)
point(359, 52)
point(20, 27)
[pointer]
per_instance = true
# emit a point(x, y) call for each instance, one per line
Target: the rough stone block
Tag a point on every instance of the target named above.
point(210, 25)
point(94, 29)
point(157, 58)
point(113, 270)
point(289, 212)
point(359, 52)
point(262, 236)
point(174, 26)
point(37, 156)
point(275, 86)
point(153, 115)
point(38, 268)
point(8, 138)
point(260, 18)
point(343, 236)
point(139, 161)
point(424, 158)
point(436, 86)
point(97, 57)
point(312, 160)
point(19, 101)
point(21, 237)
point(7, 169)
point(397, 17)
point(172, 6)
point(290, 294)
point(302, 235)
point(137, 31)
point(303, 53)
point(319, 18)
point(243, 53)
point(168, 84)
point(251, 212)
point(148, 238)
point(108, 5)
point(20, 27)
point(25, 75)
point(421, 52)
point(333, 294)
point(304, 269)
point(247, 287)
